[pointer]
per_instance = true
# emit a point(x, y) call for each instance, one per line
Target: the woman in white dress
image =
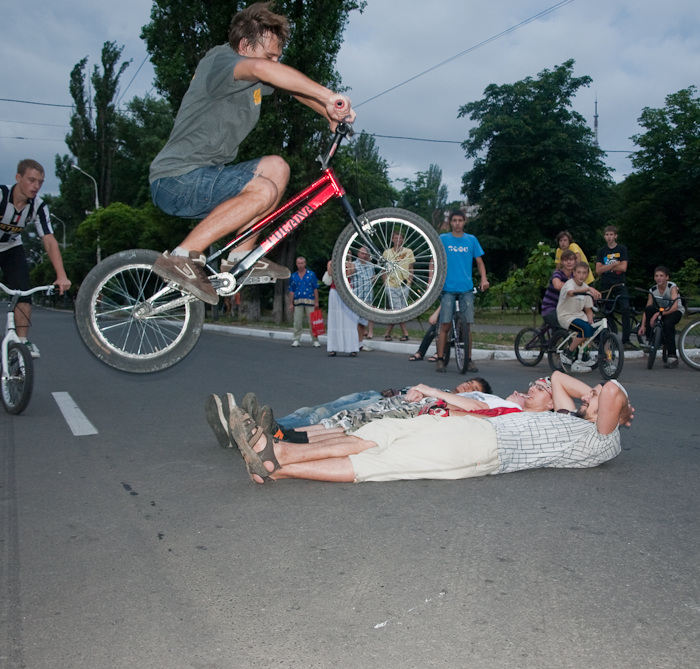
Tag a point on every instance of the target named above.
point(342, 323)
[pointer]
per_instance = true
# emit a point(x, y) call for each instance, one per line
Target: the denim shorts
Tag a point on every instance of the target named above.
point(197, 193)
point(466, 306)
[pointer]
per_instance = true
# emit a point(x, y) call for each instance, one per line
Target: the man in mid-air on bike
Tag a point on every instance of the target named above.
point(191, 177)
point(20, 206)
point(462, 249)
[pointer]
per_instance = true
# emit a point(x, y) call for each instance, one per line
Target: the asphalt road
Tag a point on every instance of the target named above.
point(146, 545)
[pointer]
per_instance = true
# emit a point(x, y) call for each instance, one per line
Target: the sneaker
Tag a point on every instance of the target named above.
point(471, 367)
point(217, 413)
point(671, 363)
point(188, 273)
point(589, 358)
point(629, 346)
point(295, 343)
point(566, 357)
point(440, 365)
point(251, 405)
point(580, 368)
point(34, 350)
point(364, 347)
point(263, 267)
point(317, 344)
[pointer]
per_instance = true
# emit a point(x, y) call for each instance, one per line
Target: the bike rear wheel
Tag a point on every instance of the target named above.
point(611, 356)
point(689, 345)
point(18, 379)
point(654, 346)
point(124, 326)
point(529, 346)
point(410, 294)
point(460, 331)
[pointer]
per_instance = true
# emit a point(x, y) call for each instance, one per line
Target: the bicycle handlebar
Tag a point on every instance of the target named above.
point(24, 293)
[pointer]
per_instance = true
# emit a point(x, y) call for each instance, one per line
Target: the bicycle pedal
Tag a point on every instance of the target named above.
point(258, 280)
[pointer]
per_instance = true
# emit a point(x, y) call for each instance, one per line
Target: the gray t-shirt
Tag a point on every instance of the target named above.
point(217, 113)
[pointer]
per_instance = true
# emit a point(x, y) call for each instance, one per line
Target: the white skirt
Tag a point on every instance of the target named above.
point(342, 326)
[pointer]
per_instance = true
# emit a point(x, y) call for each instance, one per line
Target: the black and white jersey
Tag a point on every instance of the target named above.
point(12, 222)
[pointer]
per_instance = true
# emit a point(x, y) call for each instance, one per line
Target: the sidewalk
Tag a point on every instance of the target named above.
point(378, 343)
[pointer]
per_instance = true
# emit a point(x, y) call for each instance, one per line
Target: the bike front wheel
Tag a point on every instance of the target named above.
point(611, 356)
point(689, 345)
point(529, 348)
point(460, 331)
point(654, 346)
point(133, 320)
point(18, 379)
point(400, 283)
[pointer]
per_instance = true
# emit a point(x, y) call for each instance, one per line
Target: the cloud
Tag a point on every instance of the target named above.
point(636, 51)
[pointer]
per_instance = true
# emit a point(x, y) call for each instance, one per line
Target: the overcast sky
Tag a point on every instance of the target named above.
point(636, 51)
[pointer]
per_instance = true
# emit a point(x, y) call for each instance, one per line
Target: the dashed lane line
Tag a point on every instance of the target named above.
point(76, 419)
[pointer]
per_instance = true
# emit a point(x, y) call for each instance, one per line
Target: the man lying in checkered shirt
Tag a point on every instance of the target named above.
point(453, 447)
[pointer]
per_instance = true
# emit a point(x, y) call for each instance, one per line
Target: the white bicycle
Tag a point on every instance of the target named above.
point(17, 381)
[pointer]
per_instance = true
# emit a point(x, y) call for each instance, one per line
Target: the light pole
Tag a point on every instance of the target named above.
point(64, 229)
point(97, 206)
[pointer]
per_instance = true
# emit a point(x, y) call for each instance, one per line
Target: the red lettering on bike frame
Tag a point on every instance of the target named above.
point(326, 188)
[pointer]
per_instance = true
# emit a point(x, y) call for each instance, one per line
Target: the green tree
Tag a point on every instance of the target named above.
point(93, 139)
point(660, 210)
point(426, 195)
point(537, 169)
point(141, 133)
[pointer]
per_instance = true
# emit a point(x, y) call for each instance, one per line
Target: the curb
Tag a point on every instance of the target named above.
point(377, 345)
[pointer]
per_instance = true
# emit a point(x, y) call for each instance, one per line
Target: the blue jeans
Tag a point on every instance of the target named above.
point(314, 415)
point(466, 306)
point(197, 193)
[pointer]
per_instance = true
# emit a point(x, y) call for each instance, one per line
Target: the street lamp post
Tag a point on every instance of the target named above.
point(64, 229)
point(97, 206)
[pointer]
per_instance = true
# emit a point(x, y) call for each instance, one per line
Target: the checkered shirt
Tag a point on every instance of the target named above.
point(530, 440)
point(363, 280)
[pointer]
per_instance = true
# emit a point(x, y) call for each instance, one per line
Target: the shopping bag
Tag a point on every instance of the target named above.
point(317, 326)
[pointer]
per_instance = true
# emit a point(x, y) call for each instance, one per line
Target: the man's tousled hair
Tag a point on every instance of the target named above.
point(565, 255)
point(254, 23)
point(485, 385)
point(29, 164)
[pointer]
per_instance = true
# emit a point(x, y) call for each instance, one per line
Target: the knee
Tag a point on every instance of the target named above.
point(275, 169)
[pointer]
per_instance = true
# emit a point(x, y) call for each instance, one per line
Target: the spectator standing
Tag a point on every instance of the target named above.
point(362, 275)
point(565, 242)
point(611, 265)
point(342, 331)
point(556, 283)
point(20, 206)
point(399, 280)
point(665, 292)
point(462, 250)
point(303, 299)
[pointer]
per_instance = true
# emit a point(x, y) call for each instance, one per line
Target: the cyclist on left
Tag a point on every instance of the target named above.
point(20, 206)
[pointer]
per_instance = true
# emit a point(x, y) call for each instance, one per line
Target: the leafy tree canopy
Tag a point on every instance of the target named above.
point(537, 169)
point(426, 195)
point(659, 216)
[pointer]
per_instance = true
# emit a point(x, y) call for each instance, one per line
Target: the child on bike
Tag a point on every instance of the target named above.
point(575, 310)
point(665, 292)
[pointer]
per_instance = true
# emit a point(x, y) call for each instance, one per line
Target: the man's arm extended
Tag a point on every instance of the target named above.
point(332, 106)
point(484, 286)
point(54, 253)
point(420, 391)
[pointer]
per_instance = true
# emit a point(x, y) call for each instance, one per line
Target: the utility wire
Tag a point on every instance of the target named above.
point(553, 8)
point(43, 104)
point(132, 81)
point(50, 125)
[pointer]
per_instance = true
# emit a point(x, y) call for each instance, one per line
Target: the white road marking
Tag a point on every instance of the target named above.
point(76, 419)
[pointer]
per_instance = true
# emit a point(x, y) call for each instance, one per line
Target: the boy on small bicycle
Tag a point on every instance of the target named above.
point(192, 176)
point(665, 292)
point(575, 310)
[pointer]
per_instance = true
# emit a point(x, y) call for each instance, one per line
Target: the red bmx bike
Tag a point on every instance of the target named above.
point(135, 321)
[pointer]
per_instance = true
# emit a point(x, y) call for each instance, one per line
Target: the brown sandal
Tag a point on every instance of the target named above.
point(246, 434)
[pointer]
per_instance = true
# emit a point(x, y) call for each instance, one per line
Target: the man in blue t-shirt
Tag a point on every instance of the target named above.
point(303, 299)
point(462, 249)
